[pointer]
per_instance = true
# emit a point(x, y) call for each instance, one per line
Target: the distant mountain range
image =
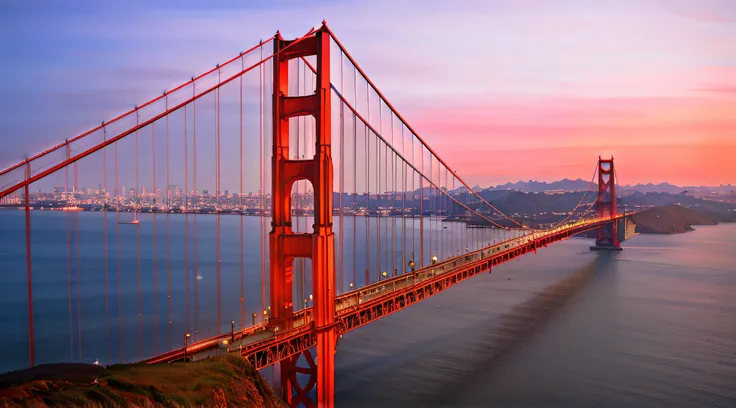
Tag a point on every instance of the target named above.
point(655, 188)
point(533, 186)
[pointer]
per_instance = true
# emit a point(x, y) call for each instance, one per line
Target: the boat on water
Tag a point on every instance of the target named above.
point(135, 220)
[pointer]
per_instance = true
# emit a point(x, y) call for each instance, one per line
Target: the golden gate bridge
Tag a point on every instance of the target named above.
point(299, 121)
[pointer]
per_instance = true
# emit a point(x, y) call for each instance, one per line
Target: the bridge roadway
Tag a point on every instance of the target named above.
point(264, 345)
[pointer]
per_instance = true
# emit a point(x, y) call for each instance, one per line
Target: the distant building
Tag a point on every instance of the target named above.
point(11, 200)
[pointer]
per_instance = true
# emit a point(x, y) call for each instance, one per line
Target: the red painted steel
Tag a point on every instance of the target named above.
point(608, 235)
point(168, 238)
point(242, 244)
point(117, 118)
point(411, 129)
point(284, 243)
point(155, 263)
point(414, 167)
point(286, 336)
point(104, 244)
point(293, 392)
point(132, 130)
point(29, 268)
point(351, 312)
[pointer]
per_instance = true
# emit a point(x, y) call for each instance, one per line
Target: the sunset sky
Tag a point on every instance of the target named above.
point(502, 90)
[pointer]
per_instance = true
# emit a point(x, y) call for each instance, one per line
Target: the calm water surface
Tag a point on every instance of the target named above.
point(652, 326)
point(108, 301)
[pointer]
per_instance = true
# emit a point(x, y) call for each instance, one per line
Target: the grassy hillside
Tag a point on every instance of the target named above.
point(225, 381)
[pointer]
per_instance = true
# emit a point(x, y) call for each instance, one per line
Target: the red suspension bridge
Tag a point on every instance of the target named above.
point(354, 217)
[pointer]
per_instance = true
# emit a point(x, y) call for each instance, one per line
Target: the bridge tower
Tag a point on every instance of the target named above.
point(607, 235)
point(284, 243)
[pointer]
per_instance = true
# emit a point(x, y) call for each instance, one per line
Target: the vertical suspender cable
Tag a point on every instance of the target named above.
point(104, 241)
point(431, 204)
point(196, 210)
point(394, 189)
point(27, 200)
point(421, 212)
point(403, 203)
point(355, 201)
point(217, 198)
point(155, 210)
point(386, 187)
point(117, 254)
point(168, 235)
point(69, 259)
point(261, 191)
point(186, 223)
point(138, 229)
point(76, 256)
point(367, 206)
point(379, 247)
point(341, 268)
point(413, 203)
point(242, 243)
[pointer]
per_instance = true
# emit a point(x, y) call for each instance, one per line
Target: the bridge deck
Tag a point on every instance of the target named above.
point(264, 345)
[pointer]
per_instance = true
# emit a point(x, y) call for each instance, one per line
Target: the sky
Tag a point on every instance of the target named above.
point(502, 90)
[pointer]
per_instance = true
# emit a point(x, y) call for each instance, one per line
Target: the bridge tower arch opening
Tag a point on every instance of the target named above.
point(302, 222)
point(284, 242)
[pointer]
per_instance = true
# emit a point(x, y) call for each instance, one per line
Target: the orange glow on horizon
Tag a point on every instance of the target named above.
point(683, 141)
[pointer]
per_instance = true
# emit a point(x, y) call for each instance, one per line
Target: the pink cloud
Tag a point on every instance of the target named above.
point(681, 140)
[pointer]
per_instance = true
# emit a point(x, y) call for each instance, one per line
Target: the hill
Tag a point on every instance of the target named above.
point(533, 186)
point(670, 219)
point(224, 381)
point(717, 210)
point(654, 188)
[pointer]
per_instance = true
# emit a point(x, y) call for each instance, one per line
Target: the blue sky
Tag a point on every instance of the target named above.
point(559, 83)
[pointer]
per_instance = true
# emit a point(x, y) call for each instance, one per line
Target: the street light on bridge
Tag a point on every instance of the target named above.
point(186, 340)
